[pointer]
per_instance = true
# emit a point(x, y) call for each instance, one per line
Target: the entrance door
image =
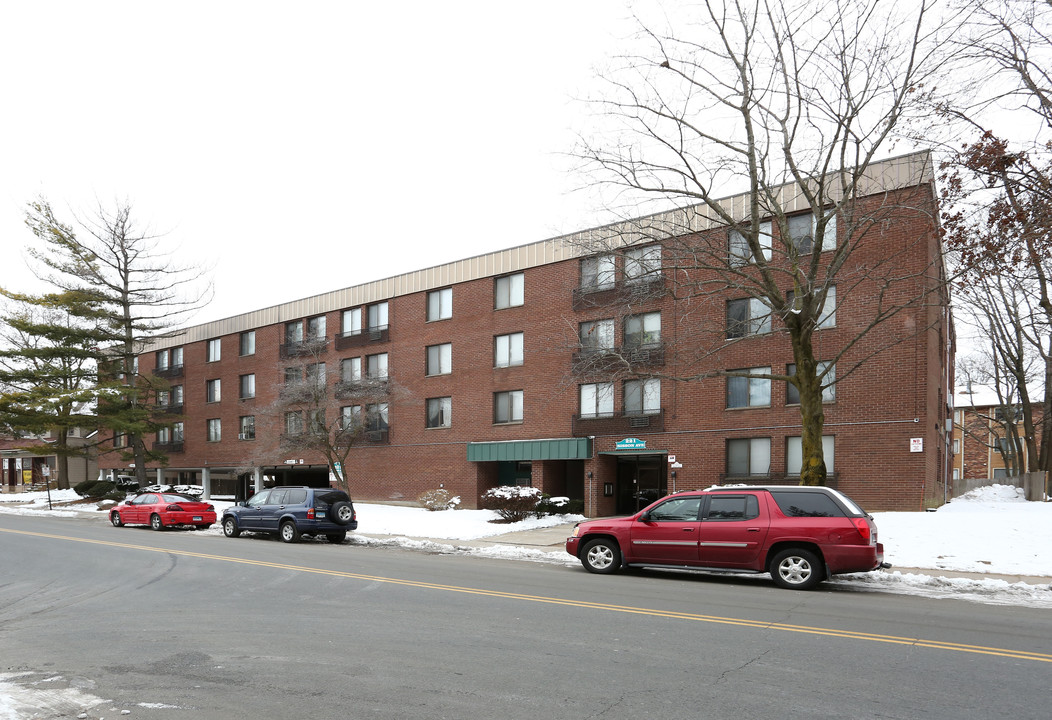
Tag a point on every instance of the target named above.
point(640, 481)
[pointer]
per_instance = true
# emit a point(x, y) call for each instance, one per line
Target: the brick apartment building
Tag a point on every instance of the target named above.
point(478, 364)
point(978, 435)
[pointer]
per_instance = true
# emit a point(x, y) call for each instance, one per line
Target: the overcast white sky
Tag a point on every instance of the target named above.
point(301, 147)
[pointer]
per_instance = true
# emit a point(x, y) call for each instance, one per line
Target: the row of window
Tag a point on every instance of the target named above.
point(752, 456)
point(756, 391)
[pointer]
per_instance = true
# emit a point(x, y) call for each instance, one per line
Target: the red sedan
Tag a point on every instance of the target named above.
point(160, 510)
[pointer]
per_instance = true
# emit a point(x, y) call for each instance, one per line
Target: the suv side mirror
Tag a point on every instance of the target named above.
point(645, 517)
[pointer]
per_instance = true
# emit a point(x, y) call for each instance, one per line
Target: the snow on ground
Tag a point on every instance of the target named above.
point(991, 530)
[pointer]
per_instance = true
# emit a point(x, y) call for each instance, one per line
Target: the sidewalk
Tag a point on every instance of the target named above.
point(553, 539)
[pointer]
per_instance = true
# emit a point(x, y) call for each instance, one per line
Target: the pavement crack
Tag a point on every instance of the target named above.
point(741, 667)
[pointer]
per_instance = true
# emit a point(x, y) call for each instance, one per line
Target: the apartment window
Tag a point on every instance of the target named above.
point(247, 386)
point(598, 272)
point(294, 422)
point(294, 332)
point(376, 366)
point(351, 321)
point(164, 398)
point(741, 254)
point(597, 336)
point(177, 394)
point(247, 343)
point(643, 330)
point(802, 230)
point(643, 397)
point(315, 374)
point(792, 393)
point(749, 456)
point(214, 347)
point(318, 425)
point(120, 440)
point(293, 375)
point(351, 369)
point(246, 427)
point(440, 359)
point(214, 428)
point(509, 291)
point(164, 436)
point(507, 350)
point(794, 454)
point(439, 412)
point(642, 264)
point(212, 390)
point(377, 314)
point(177, 432)
point(957, 447)
point(507, 406)
point(827, 315)
point(749, 391)
point(440, 304)
point(316, 328)
point(376, 417)
point(162, 360)
point(749, 316)
point(597, 400)
point(350, 417)
point(177, 357)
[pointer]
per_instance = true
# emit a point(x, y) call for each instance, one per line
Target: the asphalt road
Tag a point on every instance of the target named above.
point(106, 620)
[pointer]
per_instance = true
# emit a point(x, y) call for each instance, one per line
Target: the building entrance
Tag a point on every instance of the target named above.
point(641, 480)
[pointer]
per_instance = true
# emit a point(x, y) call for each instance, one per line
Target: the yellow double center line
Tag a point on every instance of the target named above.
point(671, 614)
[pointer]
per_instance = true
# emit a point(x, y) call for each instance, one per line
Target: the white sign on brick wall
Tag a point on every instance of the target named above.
point(916, 444)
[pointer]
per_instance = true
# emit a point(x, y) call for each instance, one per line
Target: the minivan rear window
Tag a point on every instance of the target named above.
point(807, 504)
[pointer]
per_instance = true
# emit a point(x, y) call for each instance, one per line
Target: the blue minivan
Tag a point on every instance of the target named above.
point(293, 511)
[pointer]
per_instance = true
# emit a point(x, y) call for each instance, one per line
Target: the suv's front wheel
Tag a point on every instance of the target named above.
point(289, 532)
point(796, 569)
point(601, 556)
point(230, 528)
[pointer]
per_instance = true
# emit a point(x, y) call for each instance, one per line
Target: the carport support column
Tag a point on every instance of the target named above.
point(160, 476)
point(257, 478)
point(206, 483)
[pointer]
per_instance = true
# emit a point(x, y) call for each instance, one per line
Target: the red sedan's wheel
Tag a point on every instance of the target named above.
point(115, 518)
point(155, 522)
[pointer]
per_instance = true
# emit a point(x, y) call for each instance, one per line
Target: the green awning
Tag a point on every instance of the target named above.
point(553, 449)
point(623, 453)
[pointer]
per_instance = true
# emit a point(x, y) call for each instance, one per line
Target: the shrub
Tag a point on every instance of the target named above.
point(84, 486)
point(512, 502)
point(116, 494)
point(549, 505)
point(435, 500)
point(95, 488)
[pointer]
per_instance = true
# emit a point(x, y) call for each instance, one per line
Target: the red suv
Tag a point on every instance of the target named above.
point(799, 534)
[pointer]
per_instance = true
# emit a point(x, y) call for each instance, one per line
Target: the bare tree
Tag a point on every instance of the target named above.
point(792, 104)
point(139, 293)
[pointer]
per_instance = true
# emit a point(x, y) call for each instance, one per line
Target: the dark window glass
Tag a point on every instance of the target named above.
point(733, 507)
point(806, 504)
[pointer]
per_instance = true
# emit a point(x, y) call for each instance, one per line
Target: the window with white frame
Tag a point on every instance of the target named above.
point(792, 393)
point(162, 360)
point(643, 330)
point(293, 375)
point(827, 315)
point(748, 456)
point(507, 406)
point(597, 336)
point(294, 332)
point(246, 427)
point(316, 328)
point(177, 432)
point(351, 321)
point(212, 390)
point(294, 422)
point(741, 253)
point(247, 343)
point(164, 398)
point(747, 316)
point(177, 395)
point(598, 272)
point(440, 304)
point(507, 350)
point(643, 397)
point(439, 412)
point(214, 348)
point(164, 435)
point(314, 373)
point(351, 370)
point(642, 264)
point(440, 359)
point(376, 366)
point(177, 357)
point(749, 391)
point(803, 229)
point(597, 400)
point(376, 417)
point(350, 417)
point(794, 454)
point(377, 314)
point(214, 428)
point(509, 291)
point(247, 386)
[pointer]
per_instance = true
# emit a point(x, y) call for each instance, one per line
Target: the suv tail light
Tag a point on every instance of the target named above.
point(863, 527)
point(310, 513)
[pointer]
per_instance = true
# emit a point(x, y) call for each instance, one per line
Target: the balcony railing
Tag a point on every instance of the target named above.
point(596, 360)
point(624, 291)
point(771, 478)
point(168, 447)
point(362, 337)
point(303, 347)
point(586, 425)
point(364, 387)
point(171, 409)
point(172, 371)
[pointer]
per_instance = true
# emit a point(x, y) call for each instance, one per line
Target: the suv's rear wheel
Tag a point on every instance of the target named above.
point(796, 569)
point(230, 528)
point(289, 532)
point(601, 556)
point(341, 512)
